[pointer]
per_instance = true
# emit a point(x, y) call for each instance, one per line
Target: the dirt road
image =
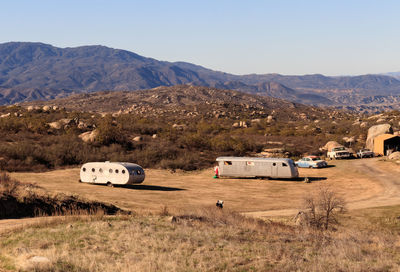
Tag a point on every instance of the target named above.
point(386, 175)
point(363, 183)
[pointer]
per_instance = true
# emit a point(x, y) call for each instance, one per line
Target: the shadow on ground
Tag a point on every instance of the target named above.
point(281, 179)
point(150, 187)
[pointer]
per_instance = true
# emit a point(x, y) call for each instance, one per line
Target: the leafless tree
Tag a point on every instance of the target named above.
point(323, 207)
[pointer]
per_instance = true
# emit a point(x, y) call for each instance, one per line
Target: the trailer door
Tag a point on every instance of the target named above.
point(274, 169)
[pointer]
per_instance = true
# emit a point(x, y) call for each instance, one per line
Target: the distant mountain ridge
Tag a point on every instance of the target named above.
point(31, 71)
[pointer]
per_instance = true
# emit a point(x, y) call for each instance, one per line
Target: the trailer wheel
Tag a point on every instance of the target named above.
point(109, 184)
point(80, 181)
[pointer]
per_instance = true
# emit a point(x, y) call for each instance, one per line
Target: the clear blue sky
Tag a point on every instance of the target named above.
point(241, 37)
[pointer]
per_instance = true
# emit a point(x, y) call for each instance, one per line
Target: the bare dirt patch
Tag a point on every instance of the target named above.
point(363, 183)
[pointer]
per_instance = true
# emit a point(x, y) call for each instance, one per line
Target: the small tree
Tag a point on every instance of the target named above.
point(323, 207)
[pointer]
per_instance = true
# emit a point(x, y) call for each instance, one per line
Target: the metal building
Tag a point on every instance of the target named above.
point(386, 144)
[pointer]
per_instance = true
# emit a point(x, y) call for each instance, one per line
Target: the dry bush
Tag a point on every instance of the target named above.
point(323, 207)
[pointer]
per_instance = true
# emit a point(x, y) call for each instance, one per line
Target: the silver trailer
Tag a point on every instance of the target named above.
point(111, 173)
point(257, 167)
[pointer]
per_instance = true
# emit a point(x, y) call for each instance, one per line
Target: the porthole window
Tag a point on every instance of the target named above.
point(93, 170)
point(274, 164)
point(123, 171)
point(138, 172)
point(110, 171)
point(101, 170)
point(84, 169)
point(116, 171)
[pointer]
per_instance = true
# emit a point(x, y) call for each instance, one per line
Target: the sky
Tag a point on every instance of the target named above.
point(295, 37)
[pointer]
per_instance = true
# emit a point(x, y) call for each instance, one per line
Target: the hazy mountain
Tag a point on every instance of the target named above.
point(30, 71)
point(394, 74)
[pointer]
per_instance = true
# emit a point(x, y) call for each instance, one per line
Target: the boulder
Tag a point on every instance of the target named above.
point(394, 156)
point(30, 108)
point(178, 127)
point(154, 136)
point(89, 136)
point(363, 124)
point(349, 139)
point(137, 138)
point(82, 125)
point(55, 125)
point(5, 115)
point(376, 131)
point(331, 144)
point(380, 120)
point(46, 108)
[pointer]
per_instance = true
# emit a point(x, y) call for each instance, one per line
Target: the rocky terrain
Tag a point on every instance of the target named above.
point(32, 71)
point(194, 100)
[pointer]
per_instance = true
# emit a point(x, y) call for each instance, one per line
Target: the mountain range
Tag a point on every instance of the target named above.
point(32, 71)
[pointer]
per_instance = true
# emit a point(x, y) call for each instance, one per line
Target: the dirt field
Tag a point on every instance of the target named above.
point(363, 183)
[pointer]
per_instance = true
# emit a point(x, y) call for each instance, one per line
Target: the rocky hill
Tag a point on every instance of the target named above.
point(183, 99)
point(31, 71)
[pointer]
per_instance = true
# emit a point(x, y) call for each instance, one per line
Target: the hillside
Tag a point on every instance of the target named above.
point(171, 98)
point(32, 71)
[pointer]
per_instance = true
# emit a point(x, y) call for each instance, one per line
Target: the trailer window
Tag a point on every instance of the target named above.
point(110, 171)
point(274, 164)
point(84, 169)
point(227, 162)
point(284, 164)
point(123, 171)
point(93, 170)
point(101, 170)
point(116, 171)
point(250, 163)
point(138, 172)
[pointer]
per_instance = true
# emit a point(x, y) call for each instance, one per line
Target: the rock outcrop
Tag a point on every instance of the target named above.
point(394, 156)
point(89, 136)
point(331, 144)
point(376, 131)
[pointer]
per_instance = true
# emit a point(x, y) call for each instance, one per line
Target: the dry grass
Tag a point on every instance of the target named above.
point(19, 200)
point(201, 240)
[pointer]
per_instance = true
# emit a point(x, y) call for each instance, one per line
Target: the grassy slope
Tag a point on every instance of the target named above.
point(206, 240)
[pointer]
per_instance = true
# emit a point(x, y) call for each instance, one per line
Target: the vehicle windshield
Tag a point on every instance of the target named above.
point(316, 159)
point(339, 148)
point(365, 150)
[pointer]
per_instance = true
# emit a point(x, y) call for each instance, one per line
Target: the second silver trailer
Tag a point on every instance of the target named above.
point(257, 167)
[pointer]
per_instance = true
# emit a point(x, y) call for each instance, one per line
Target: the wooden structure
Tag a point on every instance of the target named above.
point(385, 144)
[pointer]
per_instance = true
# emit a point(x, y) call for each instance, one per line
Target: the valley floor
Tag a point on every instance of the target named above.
point(203, 238)
point(363, 183)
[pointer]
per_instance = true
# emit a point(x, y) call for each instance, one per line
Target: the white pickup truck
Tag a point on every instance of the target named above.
point(339, 153)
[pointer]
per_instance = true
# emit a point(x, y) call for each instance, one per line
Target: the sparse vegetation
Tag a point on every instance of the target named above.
point(18, 200)
point(38, 140)
point(323, 207)
point(207, 239)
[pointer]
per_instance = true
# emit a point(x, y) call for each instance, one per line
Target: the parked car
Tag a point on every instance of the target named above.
point(311, 162)
point(339, 153)
point(365, 153)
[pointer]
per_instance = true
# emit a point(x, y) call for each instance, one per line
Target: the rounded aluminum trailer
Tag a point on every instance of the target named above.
point(257, 167)
point(112, 173)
